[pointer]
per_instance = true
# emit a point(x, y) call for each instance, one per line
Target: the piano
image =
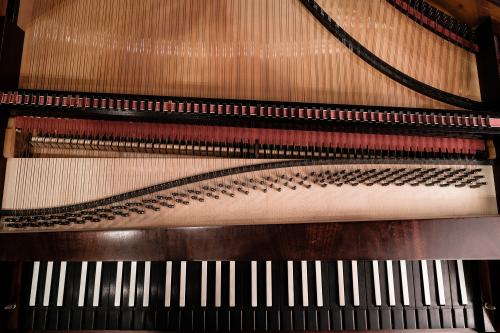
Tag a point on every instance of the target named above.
point(249, 166)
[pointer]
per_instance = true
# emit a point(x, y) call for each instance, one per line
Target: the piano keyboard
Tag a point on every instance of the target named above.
point(252, 295)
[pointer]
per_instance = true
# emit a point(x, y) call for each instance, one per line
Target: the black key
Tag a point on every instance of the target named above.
point(88, 310)
point(434, 317)
point(312, 310)
point(373, 308)
point(236, 314)
point(286, 318)
point(139, 312)
point(40, 310)
point(53, 311)
point(158, 315)
point(470, 281)
point(446, 310)
point(335, 308)
point(76, 311)
point(348, 309)
point(360, 311)
point(224, 309)
point(113, 310)
point(211, 317)
point(65, 311)
point(174, 311)
point(385, 308)
point(457, 308)
point(409, 310)
point(261, 315)
point(126, 311)
point(421, 308)
point(243, 272)
point(324, 311)
point(273, 317)
point(298, 314)
point(193, 282)
point(398, 319)
point(101, 315)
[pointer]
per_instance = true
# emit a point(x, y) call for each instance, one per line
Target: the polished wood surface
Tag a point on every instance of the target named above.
point(470, 238)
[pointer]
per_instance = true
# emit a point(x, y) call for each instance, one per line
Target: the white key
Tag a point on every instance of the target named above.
point(305, 291)
point(232, 284)
point(48, 281)
point(390, 283)
point(203, 299)
point(147, 282)
point(60, 286)
point(461, 282)
point(440, 283)
point(269, 284)
point(355, 283)
point(340, 277)
point(182, 285)
point(118, 284)
point(291, 298)
point(131, 289)
point(376, 283)
point(97, 283)
point(319, 283)
point(168, 283)
point(34, 283)
point(425, 282)
point(404, 283)
point(218, 282)
point(83, 282)
point(253, 279)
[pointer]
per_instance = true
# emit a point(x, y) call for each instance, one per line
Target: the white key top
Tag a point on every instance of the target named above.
point(305, 283)
point(97, 283)
point(376, 283)
point(168, 283)
point(291, 298)
point(34, 283)
point(147, 282)
point(340, 277)
point(182, 285)
point(355, 283)
point(404, 283)
point(440, 283)
point(83, 282)
point(425, 282)
point(319, 283)
point(232, 284)
point(118, 284)
point(390, 283)
point(253, 279)
point(131, 289)
point(48, 281)
point(269, 284)
point(218, 282)
point(461, 282)
point(203, 296)
point(60, 286)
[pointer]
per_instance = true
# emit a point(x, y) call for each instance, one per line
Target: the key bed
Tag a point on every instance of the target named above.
point(248, 295)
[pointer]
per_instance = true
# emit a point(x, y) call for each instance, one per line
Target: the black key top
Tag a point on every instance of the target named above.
point(76, 319)
point(335, 308)
point(27, 312)
point(139, 312)
point(398, 319)
point(88, 310)
point(421, 308)
point(434, 317)
point(65, 310)
point(126, 311)
point(273, 317)
point(211, 317)
point(348, 309)
point(470, 281)
point(261, 314)
point(224, 308)
point(193, 294)
point(286, 319)
point(312, 310)
point(101, 315)
point(373, 308)
point(385, 308)
point(114, 290)
point(40, 310)
point(158, 314)
point(243, 271)
point(174, 311)
point(409, 310)
point(53, 310)
point(298, 314)
point(236, 314)
point(324, 311)
point(446, 310)
point(360, 311)
point(457, 308)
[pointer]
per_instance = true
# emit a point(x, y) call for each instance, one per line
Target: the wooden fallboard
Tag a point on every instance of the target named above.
point(468, 238)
